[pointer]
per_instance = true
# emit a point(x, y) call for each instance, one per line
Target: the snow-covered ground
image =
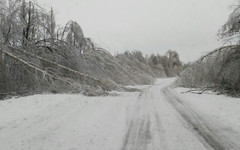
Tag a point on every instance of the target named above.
point(159, 118)
point(63, 122)
point(221, 111)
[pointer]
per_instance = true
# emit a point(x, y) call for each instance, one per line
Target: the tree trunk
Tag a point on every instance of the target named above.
point(1, 55)
point(2, 71)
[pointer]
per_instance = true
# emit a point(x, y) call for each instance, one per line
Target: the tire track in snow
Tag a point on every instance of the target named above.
point(210, 135)
point(139, 128)
point(144, 124)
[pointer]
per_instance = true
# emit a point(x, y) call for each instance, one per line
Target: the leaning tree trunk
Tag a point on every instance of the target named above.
point(2, 72)
point(0, 55)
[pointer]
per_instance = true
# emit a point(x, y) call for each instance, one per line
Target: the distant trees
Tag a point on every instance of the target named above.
point(168, 64)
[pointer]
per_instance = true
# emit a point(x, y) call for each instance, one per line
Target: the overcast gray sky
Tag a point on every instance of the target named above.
point(152, 26)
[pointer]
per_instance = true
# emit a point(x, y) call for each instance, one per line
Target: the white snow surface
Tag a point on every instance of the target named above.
point(131, 121)
point(220, 110)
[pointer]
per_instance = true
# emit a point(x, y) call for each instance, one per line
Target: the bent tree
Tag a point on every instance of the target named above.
point(230, 31)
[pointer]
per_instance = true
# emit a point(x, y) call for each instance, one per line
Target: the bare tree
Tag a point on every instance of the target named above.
point(230, 31)
point(73, 34)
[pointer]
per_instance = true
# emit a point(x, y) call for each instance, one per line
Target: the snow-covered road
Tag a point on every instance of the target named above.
point(159, 118)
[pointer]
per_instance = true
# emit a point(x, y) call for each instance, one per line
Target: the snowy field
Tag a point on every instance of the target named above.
point(159, 118)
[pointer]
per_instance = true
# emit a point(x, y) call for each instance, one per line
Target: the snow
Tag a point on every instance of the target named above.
point(130, 121)
point(62, 121)
point(220, 110)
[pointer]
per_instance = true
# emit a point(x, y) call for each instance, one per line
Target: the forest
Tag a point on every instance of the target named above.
point(37, 55)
